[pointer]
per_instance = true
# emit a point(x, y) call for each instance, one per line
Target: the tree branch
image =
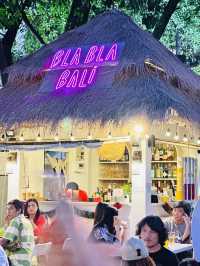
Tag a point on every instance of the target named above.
point(32, 29)
point(79, 14)
point(165, 17)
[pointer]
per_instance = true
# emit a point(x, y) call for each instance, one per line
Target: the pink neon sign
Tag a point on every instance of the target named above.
point(78, 67)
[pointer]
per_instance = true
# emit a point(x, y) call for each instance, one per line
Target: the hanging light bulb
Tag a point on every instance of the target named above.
point(71, 136)
point(89, 136)
point(109, 135)
point(176, 137)
point(168, 133)
point(56, 137)
point(38, 137)
point(198, 141)
point(185, 139)
point(21, 138)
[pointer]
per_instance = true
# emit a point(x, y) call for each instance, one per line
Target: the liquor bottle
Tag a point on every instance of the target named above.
point(157, 154)
point(105, 195)
point(126, 155)
point(153, 171)
point(153, 154)
point(161, 170)
point(165, 172)
point(109, 193)
point(164, 153)
point(157, 171)
point(161, 152)
point(170, 170)
point(174, 171)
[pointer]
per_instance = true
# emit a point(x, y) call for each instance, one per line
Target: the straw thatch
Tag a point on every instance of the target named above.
point(137, 87)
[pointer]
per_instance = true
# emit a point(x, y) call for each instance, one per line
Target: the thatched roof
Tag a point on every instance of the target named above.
point(137, 87)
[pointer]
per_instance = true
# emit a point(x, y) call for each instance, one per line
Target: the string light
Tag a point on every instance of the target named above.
point(21, 138)
point(71, 136)
point(109, 135)
point(168, 133)
point(176, 137)
point(89, 136)
point(185, 139)
point(38, 137)
point(56, 138)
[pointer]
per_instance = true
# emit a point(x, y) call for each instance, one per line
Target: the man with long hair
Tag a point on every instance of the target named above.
point(152, 231)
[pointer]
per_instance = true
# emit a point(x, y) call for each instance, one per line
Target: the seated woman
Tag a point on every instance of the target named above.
point(107, 227)
point(32, 212)
point(18, 238)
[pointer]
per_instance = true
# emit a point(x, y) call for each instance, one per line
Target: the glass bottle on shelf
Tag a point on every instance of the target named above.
point(170, 170)
point(126, 154)
point(153, 171)
point(157, 171)
point(165, 172)
point(157, 154)
point(161, 152)
point(161, 170)
point(165, 154)
point(174, 171)
point(109, 193)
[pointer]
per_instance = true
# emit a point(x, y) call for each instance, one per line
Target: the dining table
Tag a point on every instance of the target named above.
point(179, 247)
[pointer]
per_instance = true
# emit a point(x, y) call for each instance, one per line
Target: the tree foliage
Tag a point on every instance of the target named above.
point(177, 22)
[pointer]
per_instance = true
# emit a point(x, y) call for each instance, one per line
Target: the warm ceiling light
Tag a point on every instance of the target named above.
point(138, 129)
point(71, 137)
point(109, 135)
point(21, 138)
point(38, 137)
point(89, 136)
point(168, 133)
point(185, 139)
point(56, 138)
point(176, 137)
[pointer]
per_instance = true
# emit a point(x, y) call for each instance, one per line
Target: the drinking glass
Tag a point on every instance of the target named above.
point(178, 237)
point(171, 238)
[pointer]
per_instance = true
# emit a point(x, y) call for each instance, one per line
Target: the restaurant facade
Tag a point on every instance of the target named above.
point(114, 112)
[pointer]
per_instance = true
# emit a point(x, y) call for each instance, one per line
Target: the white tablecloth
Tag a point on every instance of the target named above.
point(178, 248)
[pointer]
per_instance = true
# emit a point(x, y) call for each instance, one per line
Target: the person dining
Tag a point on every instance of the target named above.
point(152, 231)
point(180, 223)
point(32, 212)
point(18, 238)
point(107, 227)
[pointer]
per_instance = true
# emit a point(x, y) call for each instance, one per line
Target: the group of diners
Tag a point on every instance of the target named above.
point(149, 246)
point(25, 226)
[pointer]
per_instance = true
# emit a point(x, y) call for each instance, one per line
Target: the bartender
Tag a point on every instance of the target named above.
point(73, 192)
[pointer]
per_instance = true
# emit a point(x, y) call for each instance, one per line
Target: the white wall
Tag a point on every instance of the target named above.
point(31, 171)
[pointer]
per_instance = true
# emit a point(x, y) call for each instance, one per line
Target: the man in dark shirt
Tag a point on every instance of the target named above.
point(152, 231)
